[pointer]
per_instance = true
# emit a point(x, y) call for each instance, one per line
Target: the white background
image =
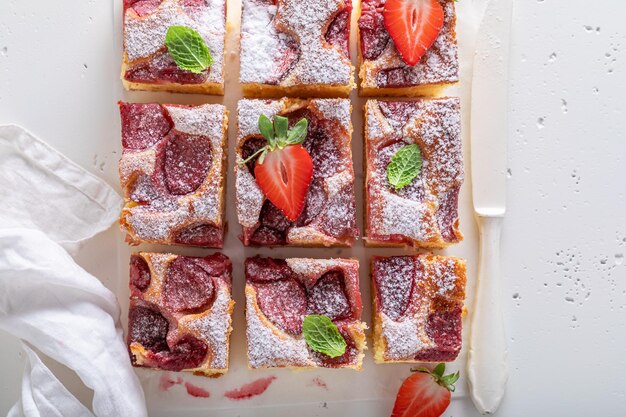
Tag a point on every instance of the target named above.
point(564, 239)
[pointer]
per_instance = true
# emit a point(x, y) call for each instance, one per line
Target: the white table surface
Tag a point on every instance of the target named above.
point(564, 238)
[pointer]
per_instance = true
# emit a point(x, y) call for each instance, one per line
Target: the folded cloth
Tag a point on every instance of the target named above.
point(49, 206)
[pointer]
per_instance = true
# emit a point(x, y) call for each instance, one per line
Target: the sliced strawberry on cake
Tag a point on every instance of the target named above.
point(407, 47)
point(295, 180)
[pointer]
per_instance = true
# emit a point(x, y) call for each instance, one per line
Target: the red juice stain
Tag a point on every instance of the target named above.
point(166, 382)
point(319, 382)
point(196, 391)
point(250, 390)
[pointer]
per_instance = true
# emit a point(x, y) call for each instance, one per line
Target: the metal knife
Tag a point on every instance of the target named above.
point(487, 363)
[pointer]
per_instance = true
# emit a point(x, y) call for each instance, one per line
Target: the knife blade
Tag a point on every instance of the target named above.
point(487, 364)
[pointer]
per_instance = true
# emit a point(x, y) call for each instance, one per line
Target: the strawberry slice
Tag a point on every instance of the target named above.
point(284, 177)
point(413, 25)
point(425, 393)
point(284, 169)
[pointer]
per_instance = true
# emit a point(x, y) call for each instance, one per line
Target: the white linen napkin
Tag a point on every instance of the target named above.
point(48, 206)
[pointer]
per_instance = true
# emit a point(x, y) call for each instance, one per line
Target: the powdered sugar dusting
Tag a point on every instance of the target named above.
point(412, 213)
point(401, 338)
point(404, 328)
point(336, 295)
point(250, 198)
point(400, 216)
point(337, 109)
point(248, 112)
point(268, 346)
point(318, 63)
point(261, 44)
point(206, 120)
point(263, 49)
point(137, 161)
point(313, 267)
point(436, 127)
point(145, 36)
point(161, 214)
point(214, 327)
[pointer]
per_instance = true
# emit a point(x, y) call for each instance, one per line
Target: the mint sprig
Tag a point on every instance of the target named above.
point(322, 335)
point(405, 166)
point(187, 49)
point(279, 135)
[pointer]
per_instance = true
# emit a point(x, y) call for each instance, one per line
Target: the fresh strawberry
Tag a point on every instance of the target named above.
point(425, 393)
point(284, 168)
point(413, 25)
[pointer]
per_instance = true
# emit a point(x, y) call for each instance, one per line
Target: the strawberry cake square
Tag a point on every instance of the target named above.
point(172, 172)
point(407, 47)
point(294, 173)
point(295, 47)
point(179, 317)
point(417, 308)
point(414, 164)
point(174, 45)
point(304, 313)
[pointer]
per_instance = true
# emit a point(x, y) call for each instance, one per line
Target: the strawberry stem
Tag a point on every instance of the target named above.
point(278, 135)
point(446, 381)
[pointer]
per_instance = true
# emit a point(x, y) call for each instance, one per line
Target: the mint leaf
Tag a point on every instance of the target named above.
point(280, 127)
point(296, 135)
point(322, 335)
point(266, 127)
point(405, 166)
point(188, 49)
point(439, 369)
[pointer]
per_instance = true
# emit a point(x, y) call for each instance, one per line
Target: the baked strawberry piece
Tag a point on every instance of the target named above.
point(418, 307)
point(407, 47)
point(296, 47)
point(172, 172)
point(414, 165)
point(179, 317)
point(294, 174)
point(285, 298)
point(157, 60)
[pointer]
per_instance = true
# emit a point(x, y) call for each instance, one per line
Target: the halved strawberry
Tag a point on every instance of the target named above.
point(284, 169)
point(413, 25)
point(425, 393)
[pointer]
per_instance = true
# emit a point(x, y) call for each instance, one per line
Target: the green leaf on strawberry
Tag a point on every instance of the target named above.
point(425, 393)
point(284, 168)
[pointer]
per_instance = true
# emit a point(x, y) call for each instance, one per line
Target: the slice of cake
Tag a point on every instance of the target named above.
point(315, 176)
point(148, 62)
point(294, 47)
point(384, 71)
point(172, 172)
point(417, 308)
point(282, 294)
point(414, 165)
point(179, 317)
